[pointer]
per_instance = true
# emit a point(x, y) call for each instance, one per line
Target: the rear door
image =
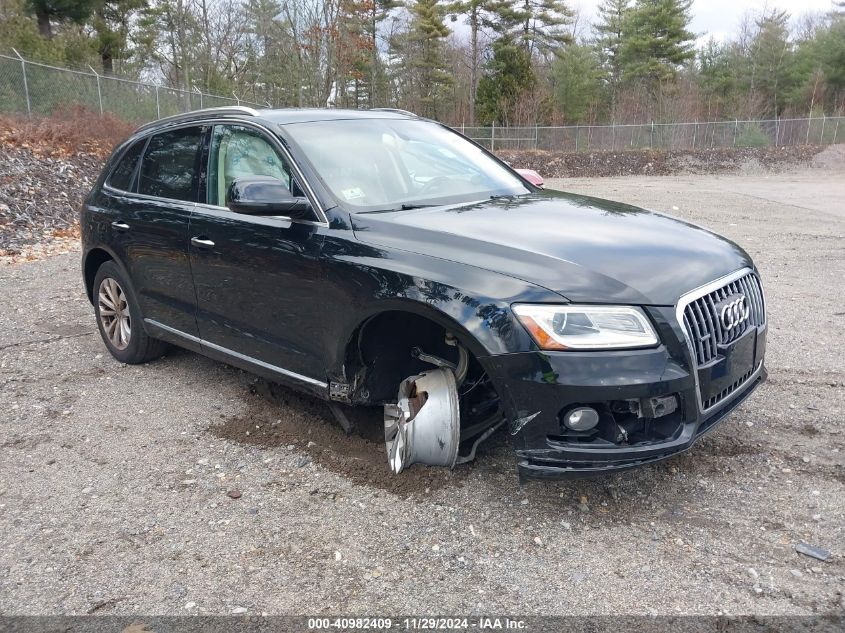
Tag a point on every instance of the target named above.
point(150, 230)
point(257, 279)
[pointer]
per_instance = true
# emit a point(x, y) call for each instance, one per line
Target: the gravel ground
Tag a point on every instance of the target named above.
point(117, 483)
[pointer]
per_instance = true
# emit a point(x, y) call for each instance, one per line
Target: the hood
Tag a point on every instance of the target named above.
point(586, 249)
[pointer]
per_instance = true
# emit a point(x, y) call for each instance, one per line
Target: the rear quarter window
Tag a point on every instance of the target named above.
point(121, 176)
point(169, 165)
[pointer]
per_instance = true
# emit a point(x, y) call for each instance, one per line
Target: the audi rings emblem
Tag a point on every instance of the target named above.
point(735, 312)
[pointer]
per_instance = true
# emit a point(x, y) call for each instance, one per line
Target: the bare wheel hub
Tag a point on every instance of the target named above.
point(114, 313)
point(424, 425)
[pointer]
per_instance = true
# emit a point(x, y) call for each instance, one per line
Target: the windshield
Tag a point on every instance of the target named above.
point(391, 164)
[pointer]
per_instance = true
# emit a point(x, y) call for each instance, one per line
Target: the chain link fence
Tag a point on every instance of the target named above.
point(34, 88)
point(821, 130)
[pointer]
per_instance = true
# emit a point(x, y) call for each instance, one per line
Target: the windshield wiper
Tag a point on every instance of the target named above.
point(403, 207)
point(408, 207)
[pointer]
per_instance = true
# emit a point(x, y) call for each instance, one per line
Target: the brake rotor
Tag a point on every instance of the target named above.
point(423, 427)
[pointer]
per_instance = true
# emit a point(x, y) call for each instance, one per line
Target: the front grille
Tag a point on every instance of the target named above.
point(714, 400)
point(703, 324)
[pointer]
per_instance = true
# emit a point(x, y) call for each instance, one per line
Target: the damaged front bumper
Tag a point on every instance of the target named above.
point(647, 400)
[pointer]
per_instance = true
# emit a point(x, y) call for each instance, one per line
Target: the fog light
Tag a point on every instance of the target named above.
point(581, 419)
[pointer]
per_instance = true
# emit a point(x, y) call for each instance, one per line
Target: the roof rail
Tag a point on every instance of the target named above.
point(199, 114)
point(396, 110)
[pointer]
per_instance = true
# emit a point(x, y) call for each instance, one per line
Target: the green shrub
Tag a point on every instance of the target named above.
point(752, 135)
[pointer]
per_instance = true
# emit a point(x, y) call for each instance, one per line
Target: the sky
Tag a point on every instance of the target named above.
point(721, 18)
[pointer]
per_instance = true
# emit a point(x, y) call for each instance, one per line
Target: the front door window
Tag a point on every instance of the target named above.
point(236, 152)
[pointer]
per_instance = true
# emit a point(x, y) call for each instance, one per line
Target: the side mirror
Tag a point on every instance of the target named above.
point(265, 195)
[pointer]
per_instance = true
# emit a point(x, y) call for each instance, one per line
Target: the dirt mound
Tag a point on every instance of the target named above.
point(40, 195)
point(662, 162)
point(47, 167)
point(831, 157)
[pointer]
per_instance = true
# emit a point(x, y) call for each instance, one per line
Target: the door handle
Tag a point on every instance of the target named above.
point(201, 242)
point(120, 226)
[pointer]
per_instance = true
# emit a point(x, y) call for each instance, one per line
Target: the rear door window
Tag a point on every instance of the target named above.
point(169, 166)
point(121, 177)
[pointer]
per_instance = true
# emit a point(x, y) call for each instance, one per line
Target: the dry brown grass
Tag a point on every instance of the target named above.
point(76, 130)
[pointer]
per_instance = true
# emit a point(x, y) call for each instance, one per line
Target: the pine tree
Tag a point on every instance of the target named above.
point(608, 38)
point(772, 62)
point(354, 53)
point(47, 11)
point(424, 55)
point(274, 67)
point(480, 14)
point(111, 22)
point(718, 74)
point(655, 41)
point(577, 83)
point(379, 12)
point(538, 25)
point(831, 54)
point(508, 78)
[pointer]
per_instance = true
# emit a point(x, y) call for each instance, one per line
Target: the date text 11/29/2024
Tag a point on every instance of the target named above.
point(417, 623)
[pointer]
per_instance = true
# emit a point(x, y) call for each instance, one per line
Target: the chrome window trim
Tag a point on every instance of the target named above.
point(213, 210)
point(144, 196)
point(699, 292)
point(249, 359)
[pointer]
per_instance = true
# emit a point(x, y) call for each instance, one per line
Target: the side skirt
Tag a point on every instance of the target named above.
point(281, 375)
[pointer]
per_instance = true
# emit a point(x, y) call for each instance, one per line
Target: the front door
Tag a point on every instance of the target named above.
point(257, 279)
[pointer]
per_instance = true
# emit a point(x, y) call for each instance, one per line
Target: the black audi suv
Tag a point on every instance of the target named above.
point(375, 258)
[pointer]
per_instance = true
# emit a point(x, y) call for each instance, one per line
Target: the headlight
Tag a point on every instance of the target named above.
point(586, 327)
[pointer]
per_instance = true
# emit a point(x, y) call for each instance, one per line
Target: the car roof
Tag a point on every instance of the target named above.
point(282, 116)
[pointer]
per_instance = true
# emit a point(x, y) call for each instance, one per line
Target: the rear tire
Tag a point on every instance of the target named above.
point(119, 318)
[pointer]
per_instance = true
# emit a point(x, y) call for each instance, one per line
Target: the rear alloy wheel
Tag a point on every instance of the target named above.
point(114, 313)
point(119, 318)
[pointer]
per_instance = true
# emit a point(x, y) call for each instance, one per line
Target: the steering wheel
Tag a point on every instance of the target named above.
point(433, 184)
